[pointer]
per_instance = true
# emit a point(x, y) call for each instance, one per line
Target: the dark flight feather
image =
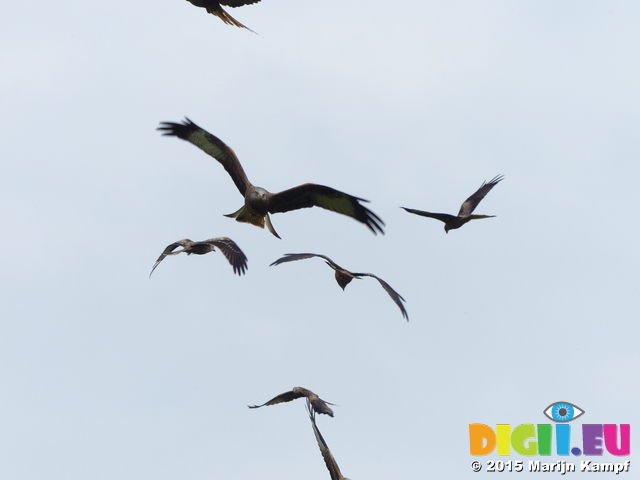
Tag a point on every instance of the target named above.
point(329, 460)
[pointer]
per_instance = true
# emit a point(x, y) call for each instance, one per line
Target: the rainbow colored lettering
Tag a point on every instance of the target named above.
point(530, 440)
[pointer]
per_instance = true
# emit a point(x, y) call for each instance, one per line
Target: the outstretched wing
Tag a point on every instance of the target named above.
point(192, 133)
point(395, 296)
point(443, 217)
point(168, 251)
point(290, 257)
point(283, 397)
point(472, 202)
point(231, 250)
point(330, 462)
point(314, 195)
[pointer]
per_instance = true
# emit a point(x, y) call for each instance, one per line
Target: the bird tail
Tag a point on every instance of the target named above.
point(219, 12)
point(245, 216)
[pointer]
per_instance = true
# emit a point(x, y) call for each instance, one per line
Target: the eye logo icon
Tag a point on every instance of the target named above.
point(563, 412)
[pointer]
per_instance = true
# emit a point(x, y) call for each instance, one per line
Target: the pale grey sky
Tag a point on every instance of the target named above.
point(107, 374)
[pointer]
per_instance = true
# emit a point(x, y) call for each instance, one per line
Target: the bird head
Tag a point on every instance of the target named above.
point(446, 228)
point(257, 201)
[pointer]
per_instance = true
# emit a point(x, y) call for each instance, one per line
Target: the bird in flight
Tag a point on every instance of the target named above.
point(228, 247)
point(332, 466)
point(214, 7)
point(259, 203)
point(452, 222)
point(344, 277)
point(317, 403)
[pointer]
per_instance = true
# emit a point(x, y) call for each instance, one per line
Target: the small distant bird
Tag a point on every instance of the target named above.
point(332, 466)
point(228, 247)
point(318, 404)
point(259, 203)
point(214, 7)
point(464, 215)
point(344, 277)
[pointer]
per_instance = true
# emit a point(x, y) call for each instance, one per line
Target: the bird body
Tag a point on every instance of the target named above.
point(258, 202)
point(451, 222)
point(228, 247)
point(215, 8)
point(317, 403)
point(344, 276)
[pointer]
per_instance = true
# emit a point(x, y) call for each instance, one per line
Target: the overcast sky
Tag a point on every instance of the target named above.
point(107, 374)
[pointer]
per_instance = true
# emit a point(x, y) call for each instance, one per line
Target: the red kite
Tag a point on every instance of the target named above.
point(259, 203)
point(344, 277)
point(332, 466)
point(464, 215)
point(214, 8)
point(228, 247)
point(318, 404)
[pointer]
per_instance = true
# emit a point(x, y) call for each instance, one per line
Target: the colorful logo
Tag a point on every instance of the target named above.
point(562, 412)
point(538, 439)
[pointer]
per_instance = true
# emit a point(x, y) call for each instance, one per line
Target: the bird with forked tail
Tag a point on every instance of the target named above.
point(451, 222)
point(259, 203)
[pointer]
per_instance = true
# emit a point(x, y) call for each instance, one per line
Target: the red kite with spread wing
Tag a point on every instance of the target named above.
point(259, 203)
point(344, 277)
point(452, 222)
point(228, 247)
point(318, 404)
point(214, 7)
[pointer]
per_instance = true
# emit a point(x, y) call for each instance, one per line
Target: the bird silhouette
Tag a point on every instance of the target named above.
point(344, 277)
point(228, 247)
point(317, 403)
point(452, 222)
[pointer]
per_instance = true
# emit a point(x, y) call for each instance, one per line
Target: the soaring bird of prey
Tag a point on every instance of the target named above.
point(452, 222)
point(317, 403)
point(332, 466)
point(214, 7)
point(228, 247)
point(343, 277)
point(259, 203)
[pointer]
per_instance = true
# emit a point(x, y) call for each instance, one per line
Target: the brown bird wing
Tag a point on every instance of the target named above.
point(443, 217)
point(290, 257)
point(472, 202)
point(395, 296)
point(330, 462)
point(212, 145)
point(168, 251)
point(314, 195)
point(231, 250)
point(318, 404)
point(283, 397)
